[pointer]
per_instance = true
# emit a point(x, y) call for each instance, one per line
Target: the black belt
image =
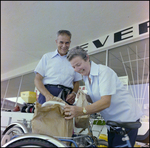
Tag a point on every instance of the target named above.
point(59, 86)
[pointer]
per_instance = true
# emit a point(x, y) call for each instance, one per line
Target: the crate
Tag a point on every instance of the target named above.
point(28, 96)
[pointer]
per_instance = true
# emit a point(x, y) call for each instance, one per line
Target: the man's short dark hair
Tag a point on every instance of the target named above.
point(61, 32)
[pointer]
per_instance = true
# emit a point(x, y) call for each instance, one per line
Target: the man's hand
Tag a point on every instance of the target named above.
point(49, 97)
point(71, 98)
point(42, 89)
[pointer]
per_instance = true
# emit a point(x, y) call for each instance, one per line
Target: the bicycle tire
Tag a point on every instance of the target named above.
point(14, 128)
point(31, 142)
point(9, 132)
point(102, 142)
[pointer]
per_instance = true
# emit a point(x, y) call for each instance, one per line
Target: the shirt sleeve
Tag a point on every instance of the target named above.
point(107, 82)
point(41, 67)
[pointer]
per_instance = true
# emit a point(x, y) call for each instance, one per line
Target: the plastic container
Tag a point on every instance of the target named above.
point(28, 96)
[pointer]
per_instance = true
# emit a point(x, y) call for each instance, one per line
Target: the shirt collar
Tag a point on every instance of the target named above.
point(56, 53)
point(94, 69)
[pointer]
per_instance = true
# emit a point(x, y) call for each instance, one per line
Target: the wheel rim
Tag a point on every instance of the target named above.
point(11, 133)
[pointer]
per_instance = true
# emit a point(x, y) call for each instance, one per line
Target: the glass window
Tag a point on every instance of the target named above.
point(132, 60)
point(99, 58)
point(3, 88)
point(24, 83)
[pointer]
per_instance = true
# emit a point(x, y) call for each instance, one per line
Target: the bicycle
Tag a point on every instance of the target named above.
point(19, 134)
point(24, 137)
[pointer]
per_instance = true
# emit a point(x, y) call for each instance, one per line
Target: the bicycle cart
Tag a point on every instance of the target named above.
point(17, 135)
point(20, 134)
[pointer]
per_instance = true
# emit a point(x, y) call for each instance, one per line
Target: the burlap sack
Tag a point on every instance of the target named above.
point(82, 121)
point(49, 120)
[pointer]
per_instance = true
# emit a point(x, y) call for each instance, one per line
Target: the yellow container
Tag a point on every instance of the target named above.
point(28, 96)
point(103, 136)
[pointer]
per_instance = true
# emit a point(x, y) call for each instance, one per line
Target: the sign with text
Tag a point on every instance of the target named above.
point(131, 32)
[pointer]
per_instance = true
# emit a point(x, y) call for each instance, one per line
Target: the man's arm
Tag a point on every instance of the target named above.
point(76, 86)
point(40, 86)
point(71, 97)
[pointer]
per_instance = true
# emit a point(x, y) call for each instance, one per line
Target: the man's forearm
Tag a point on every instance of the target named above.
point(76, 86)
point(42, 89)
point(71, 97)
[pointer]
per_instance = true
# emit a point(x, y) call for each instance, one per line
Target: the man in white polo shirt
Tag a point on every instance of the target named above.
point(54, 73)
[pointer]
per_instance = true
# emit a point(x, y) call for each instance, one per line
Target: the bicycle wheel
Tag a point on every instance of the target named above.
point(12, 132)
point(32, 142)
point(102, 143)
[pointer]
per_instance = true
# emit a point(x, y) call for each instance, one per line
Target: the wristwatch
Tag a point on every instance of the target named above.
point(84, 110)
point(74, 92)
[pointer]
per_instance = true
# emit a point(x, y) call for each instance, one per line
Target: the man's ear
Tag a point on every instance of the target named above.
point(56, 41)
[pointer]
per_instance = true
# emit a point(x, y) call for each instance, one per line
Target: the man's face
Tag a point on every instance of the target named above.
point(63, 44)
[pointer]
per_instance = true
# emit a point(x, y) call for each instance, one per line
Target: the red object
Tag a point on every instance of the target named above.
point(17, 108)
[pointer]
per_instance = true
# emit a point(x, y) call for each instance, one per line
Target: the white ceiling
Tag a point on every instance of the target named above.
point(28, 28)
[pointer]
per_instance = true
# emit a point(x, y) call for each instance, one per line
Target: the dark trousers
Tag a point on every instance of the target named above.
point(115, 140)
point(55, 91)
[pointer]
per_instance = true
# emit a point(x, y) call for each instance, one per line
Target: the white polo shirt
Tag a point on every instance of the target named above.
point(104, 81)
point(56, 69)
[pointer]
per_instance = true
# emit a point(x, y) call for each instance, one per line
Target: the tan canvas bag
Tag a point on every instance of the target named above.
point(49, 120)
point(82, 121)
